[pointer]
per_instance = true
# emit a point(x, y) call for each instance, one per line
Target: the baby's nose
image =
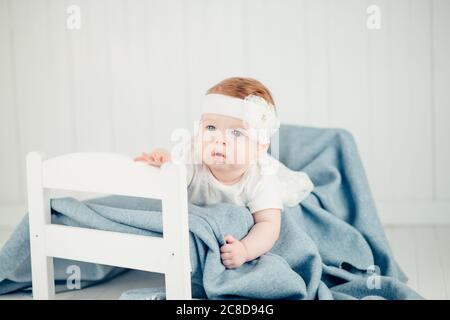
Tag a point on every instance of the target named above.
point(221, 141)
point(220, 138)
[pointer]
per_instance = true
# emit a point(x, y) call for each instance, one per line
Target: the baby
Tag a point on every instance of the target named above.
point(228, 162)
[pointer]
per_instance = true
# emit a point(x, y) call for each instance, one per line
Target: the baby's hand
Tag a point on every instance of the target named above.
point(156, 158)
point(234, 253)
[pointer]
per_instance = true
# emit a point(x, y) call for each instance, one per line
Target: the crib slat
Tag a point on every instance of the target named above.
point(106, 247)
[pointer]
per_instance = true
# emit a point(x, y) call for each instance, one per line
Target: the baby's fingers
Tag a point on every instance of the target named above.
point(158, 157)
point(140, 158)
point(225, 256)
point(226, 248)
point(229, 263)
point(145, 157)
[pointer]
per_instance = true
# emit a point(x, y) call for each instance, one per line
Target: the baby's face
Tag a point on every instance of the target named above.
point(226, 144)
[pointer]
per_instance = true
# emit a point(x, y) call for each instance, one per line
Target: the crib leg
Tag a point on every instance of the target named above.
point(42, 272)
point(176, 234)
point(178, 284)
point(39, 215)
point(178, 274)
point(43, 277)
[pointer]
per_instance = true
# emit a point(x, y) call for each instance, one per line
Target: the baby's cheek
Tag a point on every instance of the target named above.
point(207, 148)
point(236, 153)
point(251, 151)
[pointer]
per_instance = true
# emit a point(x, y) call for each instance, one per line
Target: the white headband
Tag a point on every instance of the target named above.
point(259, 115)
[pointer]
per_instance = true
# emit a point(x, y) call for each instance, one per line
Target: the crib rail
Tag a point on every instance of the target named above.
point(103, 173)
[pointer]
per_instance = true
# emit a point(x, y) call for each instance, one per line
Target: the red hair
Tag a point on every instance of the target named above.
point(240, 87)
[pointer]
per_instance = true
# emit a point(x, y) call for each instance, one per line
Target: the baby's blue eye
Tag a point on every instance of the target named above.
point(237, 133)
point(210, 127)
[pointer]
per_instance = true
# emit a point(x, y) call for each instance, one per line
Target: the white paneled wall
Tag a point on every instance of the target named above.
point(137, 69)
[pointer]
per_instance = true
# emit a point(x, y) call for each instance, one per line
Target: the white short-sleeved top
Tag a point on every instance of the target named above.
point(257, 189)
point(254, 191)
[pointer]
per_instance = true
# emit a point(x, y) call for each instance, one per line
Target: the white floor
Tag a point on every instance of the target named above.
point(422, 252)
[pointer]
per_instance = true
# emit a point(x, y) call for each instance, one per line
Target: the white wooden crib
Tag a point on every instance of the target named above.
point(108, 173)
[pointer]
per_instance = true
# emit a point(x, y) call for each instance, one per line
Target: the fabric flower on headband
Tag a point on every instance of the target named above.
point(261, 117)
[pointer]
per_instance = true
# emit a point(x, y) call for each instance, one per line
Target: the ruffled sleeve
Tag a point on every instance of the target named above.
point(295, 185)
point(266, 194)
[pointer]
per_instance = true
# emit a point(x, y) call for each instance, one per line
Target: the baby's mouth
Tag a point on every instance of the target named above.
point(217, 154)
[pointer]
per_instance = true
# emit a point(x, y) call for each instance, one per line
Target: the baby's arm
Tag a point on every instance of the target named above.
point(264, 233)
point(260, 239)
